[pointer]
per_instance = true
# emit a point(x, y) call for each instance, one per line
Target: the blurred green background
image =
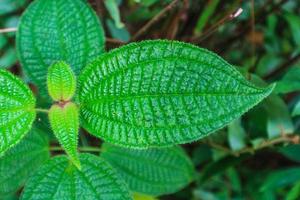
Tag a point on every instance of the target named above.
point(256, 157)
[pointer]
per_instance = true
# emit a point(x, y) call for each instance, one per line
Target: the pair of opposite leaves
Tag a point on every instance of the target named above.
point(147, 94)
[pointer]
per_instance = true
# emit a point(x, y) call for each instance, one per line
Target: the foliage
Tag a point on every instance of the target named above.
point(145, 95)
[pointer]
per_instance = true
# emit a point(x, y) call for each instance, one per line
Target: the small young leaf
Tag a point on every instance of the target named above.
point(64, 121)
point(58, 179)
point(21, 161)
point(16, 110)
point(60, 30)
point(290, 81)
point(151, 171)
point(160, 93)
point(61, 82)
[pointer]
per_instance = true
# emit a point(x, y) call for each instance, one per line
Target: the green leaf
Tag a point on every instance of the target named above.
point(64, 121)
point(151, 171)
point(61, 82)
point(21, 161)
point(279, 119)
point(160, 93)
point(16, 110)
point(236, 135)
point(290, 81)
point(296, 111)
point(205, 15)
point(60, 30)
point(291, 151)
point(7, 6)
point(58, 179)
point(294, 193)
point(293, 21)
point(281, 178)
point(112, 7)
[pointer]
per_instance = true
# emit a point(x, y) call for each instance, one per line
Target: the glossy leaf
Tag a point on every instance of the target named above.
point(151, 171)
point(20, 162)
point(58, 179)
point(17, 111)
point(64, 121)
point(160, 93)
point(61, 82)
point(60, 30)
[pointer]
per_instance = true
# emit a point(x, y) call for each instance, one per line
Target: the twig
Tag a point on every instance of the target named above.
point(294, 139)
point(244, 28)
point(215, 27)
point(114, 41)
point(154, 20)
point(8, 30)
point(283, 67)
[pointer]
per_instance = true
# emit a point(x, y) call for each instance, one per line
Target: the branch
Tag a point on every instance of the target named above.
point(154, 20)
point(293, 139)
point(8, 30)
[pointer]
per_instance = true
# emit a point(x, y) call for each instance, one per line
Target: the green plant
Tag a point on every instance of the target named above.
point(141, 99)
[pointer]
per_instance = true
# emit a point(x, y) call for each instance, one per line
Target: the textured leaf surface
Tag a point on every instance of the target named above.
point(58, 179)
point(151, 171)
point(21, 161)
point(61, 82)
point(64, 121)
point(16, 110)
point(158, 93)
point(60, 30)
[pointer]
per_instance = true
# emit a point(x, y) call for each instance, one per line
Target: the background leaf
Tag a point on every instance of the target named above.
point(16, 110)
point(60, 30)
point(58, 179)
point(159, 93)
point(152, 171)
point(20, 162)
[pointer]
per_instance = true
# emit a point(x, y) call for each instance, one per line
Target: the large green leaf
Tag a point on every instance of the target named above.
point(60, 30)
point(151, 171)
point(58, 179)
point(159, 93)
point(64, 121)
point(21, 161)
point(61, 82)
point(17, 111)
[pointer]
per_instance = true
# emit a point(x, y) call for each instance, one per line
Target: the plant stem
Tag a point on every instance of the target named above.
point(87, 149)
point(8, 30)
point(42, 110)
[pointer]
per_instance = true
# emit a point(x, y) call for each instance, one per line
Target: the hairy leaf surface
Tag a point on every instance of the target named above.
point(159, 93)
point(152, 171)
point(58, 179)
point(64, 121)
point(61, 82)
point(16, 110)
point(60, 30)
point(21, 161)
